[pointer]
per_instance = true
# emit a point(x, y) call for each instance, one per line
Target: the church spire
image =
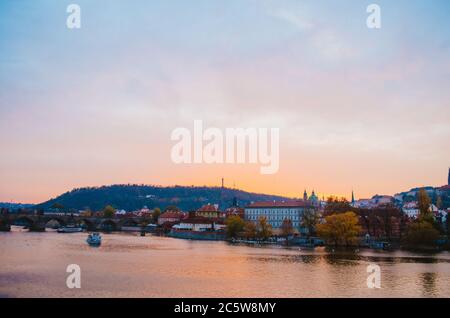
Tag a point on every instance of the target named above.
point(305, 195)
point(353, 197)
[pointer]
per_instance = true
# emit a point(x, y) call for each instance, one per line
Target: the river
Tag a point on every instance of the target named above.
point(127, 265)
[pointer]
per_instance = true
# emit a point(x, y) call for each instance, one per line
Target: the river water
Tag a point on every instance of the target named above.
point(127, 265)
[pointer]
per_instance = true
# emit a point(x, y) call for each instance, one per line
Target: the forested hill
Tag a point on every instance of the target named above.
point(134, 197)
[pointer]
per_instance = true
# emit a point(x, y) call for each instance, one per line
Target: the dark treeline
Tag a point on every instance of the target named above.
point(133, 197)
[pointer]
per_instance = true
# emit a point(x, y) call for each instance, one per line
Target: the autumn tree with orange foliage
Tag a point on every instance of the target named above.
point(340, 229)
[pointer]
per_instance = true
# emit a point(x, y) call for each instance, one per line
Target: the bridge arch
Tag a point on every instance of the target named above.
point(108, 225)
point(24, 220)
point(4, 223)
point(88, 224)
point(60, 222)
point(129, 222)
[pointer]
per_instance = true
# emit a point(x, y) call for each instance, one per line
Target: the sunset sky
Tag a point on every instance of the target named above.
point(357, 108)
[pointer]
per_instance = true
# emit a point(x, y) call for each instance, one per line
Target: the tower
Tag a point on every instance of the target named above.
point(222, 183)
point(313, 198)
point(305, 195)
point(353, 197)
point(448, 181)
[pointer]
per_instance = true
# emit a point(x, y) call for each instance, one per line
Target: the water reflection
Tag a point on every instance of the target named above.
point(306, 259)
point(125, 265)
point(429, 284)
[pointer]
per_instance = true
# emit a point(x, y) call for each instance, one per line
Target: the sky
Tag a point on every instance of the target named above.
point(357, 108)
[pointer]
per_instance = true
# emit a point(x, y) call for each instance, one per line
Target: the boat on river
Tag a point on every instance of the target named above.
point(94, 239)
point(70, 229)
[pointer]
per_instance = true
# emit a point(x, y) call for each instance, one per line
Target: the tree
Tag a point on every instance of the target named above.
point(250, 230)
point(421, 233)
point(425, 214)
point(235, 225)
point(264, 229)
point(381, 221)
point(423, 203)
point(340, 229)
point(439, 203)
point(287, 229)
point(156, 214)
point(337, 205)
point(87, 212)
point(310, 220)
point(448, 225)
point(109, 211)
point(57, 206)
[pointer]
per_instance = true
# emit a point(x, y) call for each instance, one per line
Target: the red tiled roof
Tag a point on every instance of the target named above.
point(446, 187)
point(282, 204)
point(234, 210)
point(171, 215)
point(208, 208)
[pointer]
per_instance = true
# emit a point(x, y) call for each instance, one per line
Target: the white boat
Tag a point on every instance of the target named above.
point(94, 239)
point(70, 229)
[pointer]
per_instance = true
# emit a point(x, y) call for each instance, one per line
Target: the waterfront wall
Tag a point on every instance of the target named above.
point(191, 235)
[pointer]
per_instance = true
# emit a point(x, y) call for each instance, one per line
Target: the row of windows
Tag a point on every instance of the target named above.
point(273, 217)
point(278, 224)
point(277, 211)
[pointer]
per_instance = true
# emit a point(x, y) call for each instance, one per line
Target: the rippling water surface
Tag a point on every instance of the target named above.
point(127, 265)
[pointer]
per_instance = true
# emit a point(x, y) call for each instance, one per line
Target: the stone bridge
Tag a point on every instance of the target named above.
point(39, 222)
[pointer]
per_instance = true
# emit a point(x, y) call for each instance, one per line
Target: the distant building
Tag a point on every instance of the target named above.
point(382, 199)
point(411, 195)
point(55, 212)
point(144, 212)
point(210, 211)
point(441, 215)
point(362, 204)
point(200, 224)
point(443, 189)
point(375, 201)
point(313, 199)
point(121, 212)
point(411, 209)
point(235, 210)
point(170, 217)
point(277, 212)
point(398, 197)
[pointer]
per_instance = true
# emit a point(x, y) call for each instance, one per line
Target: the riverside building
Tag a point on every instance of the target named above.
point(277, 212)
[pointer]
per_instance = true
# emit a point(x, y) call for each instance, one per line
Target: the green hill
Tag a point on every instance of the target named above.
point(134, 197)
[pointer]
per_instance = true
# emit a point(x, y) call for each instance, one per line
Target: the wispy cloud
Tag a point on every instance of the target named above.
point(294, 18)
point(316, 34)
